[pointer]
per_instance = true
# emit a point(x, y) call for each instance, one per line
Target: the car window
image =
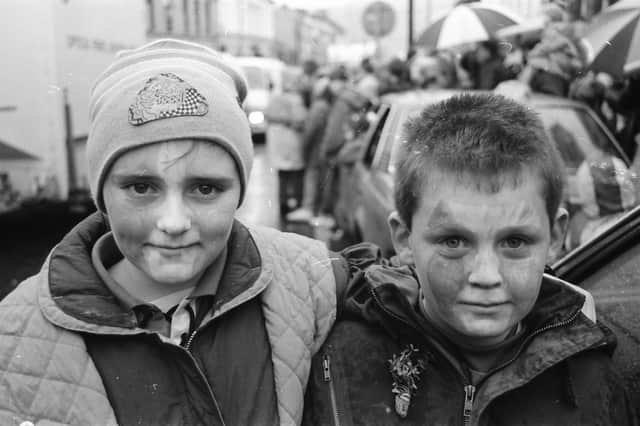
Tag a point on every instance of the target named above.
point(385, 158)
point(398, 134)
point(576, 134)
point(375, 137)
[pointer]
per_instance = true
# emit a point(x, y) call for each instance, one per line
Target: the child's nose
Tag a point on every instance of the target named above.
point(485, 269)
point(174, 217)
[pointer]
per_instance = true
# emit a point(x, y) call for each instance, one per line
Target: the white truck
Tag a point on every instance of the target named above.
point(52, 51)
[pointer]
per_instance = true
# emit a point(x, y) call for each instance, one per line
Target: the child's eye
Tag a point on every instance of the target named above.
point(139, 188)
point(453, 243)
point(205, 189)
point(514, 242)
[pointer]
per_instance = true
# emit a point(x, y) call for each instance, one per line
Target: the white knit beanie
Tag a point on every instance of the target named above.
point(166, 90)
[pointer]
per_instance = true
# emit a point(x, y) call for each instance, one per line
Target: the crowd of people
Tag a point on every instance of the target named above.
point(162, 308)
point(551, 63)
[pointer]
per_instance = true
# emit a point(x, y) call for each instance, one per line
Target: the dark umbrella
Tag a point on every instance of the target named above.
point(612, 39)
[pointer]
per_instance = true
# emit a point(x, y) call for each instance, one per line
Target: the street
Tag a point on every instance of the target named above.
point(28, 238)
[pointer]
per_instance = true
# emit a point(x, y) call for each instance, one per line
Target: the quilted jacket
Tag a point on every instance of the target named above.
point(48, 377)
point(558, 373)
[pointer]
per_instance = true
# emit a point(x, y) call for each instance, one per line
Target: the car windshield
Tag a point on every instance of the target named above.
point(256, 77)
point(576, 134)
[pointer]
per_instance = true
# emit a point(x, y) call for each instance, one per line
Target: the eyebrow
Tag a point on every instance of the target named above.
point(203, 177)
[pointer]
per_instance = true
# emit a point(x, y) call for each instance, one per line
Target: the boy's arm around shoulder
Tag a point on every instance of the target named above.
point(362, 267)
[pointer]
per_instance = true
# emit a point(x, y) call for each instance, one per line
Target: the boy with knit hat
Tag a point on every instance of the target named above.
point(162, 308)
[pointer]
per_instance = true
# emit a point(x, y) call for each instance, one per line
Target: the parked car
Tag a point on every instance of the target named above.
point(265, 76)
point(367, 162)
point(608, 266)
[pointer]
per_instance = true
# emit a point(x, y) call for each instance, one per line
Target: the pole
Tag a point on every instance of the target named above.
point(410, 28)
point(71, 163)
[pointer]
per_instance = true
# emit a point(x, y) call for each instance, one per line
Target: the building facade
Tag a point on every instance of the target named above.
point(244, 27)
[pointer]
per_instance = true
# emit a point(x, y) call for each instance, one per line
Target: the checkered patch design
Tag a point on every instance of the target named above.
point(166, 96)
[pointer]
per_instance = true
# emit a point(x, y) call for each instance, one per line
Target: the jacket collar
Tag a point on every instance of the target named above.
point(387, 295)
point(74, 296)
point(397, 291)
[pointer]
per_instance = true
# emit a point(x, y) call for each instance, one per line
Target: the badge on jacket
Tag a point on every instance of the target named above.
point(405, 371)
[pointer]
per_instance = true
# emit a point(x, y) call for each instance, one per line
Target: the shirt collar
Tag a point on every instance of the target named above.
point(105, 254)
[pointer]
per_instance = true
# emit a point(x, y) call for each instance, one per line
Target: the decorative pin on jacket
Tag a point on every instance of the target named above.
point(405, 370)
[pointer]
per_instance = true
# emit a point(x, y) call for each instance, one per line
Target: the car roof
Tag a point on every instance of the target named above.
point(415, 98)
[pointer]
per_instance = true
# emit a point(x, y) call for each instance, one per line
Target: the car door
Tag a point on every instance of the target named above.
point(375, 199)
point(609, 267)
point(351, 162)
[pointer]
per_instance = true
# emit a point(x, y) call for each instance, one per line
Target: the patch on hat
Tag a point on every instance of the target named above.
point(164, 96)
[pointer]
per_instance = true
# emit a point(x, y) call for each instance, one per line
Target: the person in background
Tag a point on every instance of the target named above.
point(367, 83)
point(555, 61)
point(435, 70)
point(485, 65)
point(590, 90)
point(622, 96)
point(162, 308)
point(285, 115)
point(516, 58)
point(605, 191)
point(314, 128)
point(347, 101)
point(463, 326)
point(307, 81)
point(396, 77)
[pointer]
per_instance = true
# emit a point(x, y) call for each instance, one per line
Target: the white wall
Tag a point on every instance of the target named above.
point(47, 47)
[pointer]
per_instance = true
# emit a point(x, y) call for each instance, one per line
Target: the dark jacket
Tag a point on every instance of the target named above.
point(346, 104)
point(559, 373)
point(314, 128)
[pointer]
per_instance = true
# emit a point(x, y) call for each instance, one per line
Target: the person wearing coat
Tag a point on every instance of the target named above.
point(162, 307)
point(464, 326)
point(557, 374)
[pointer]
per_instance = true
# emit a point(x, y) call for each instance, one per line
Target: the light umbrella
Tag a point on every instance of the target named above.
point(612, 40)
point(466, 23)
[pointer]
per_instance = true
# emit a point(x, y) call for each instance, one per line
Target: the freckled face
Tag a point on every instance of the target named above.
point(171, 207)
point(479, 255)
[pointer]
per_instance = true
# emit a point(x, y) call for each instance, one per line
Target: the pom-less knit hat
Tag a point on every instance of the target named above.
point(166, 90)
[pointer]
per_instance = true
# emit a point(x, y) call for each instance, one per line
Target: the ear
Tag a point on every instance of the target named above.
point(400, 234)
point(558, 233)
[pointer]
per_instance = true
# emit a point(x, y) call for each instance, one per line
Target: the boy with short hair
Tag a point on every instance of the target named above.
point(162, 308)
point(488, 339)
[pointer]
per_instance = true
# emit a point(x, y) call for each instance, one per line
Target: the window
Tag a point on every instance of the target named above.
point(196, 16)
point(207, 17)
point(185, 15)
point(152, 16)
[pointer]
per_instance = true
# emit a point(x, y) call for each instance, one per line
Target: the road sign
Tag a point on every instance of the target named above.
point(378, 19)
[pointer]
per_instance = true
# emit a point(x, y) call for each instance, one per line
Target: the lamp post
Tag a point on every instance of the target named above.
point(410, 29)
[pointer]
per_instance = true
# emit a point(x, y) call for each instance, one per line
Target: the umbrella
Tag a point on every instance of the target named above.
point(612, 40)
point(466, 23)
point(531, 28)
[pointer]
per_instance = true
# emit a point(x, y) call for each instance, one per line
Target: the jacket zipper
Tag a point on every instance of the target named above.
point(469, 393)
point(469, 389)
point(202, 376)
point(531, 336)
point(326, 373)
